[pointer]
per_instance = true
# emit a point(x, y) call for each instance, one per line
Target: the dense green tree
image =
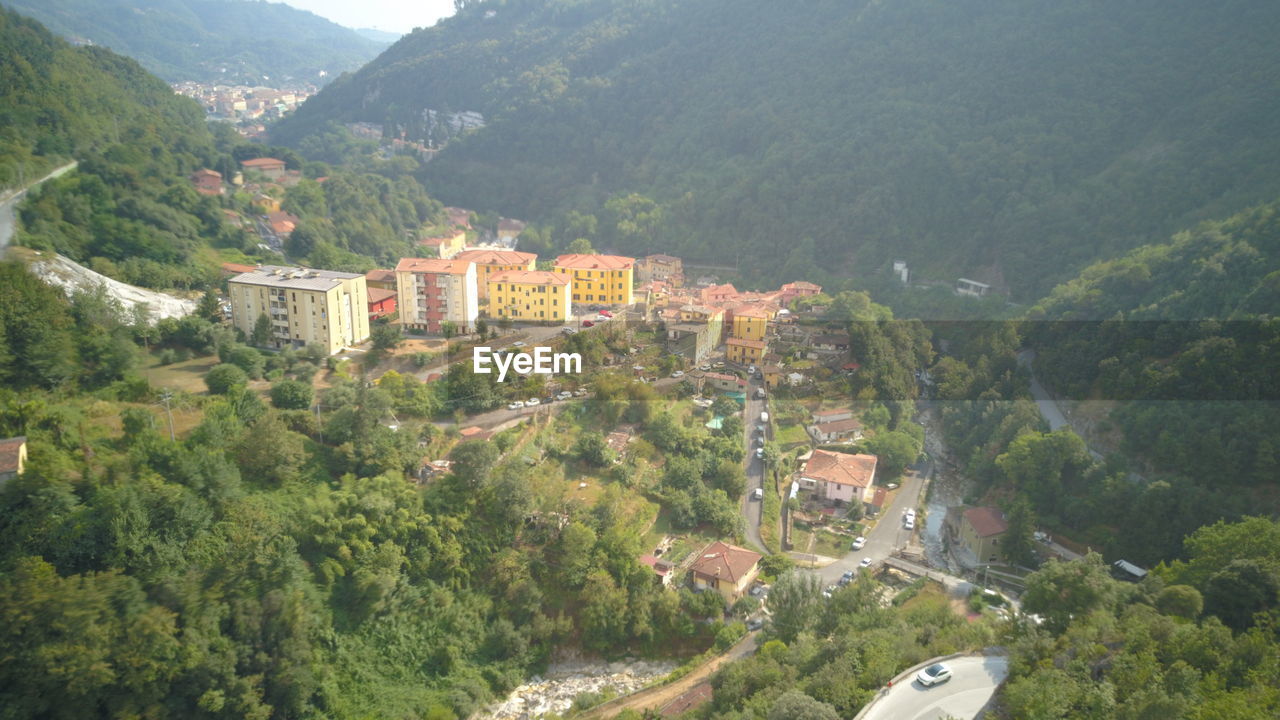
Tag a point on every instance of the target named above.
point(222, 379)
point(291, 395)
point(1062, 590)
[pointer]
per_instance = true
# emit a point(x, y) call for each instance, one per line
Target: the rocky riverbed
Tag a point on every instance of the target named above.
point(555, 691)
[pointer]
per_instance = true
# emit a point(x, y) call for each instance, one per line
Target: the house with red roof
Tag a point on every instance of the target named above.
point(727, 569)
point(382, 303)
point(980, 531)
point(273, 168)
point(839, 477)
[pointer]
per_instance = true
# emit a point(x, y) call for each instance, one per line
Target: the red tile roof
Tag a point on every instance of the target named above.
point(986, 521)
point(380, 275)
point(729, 562)
point(432, 265)
point(841, 468)
point(751, 311)
point(578, 261)
point(237, 268)
point(377, 295)
point(496, 257)
point(839, 427)
point(262, 163)
point(530, 277)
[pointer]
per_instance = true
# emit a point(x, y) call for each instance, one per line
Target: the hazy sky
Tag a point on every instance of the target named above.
point(391, 15)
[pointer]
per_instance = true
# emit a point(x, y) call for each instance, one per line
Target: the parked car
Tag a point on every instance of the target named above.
point(866, 563)
point(755, 624)
point(569, 331)
point(580, 392)
point(678, 374)
point(532, 402)
point(858, 542)
point(718, 364)
point(910, 523)
point(606, 313)
point(548, 399)
point(587, 324)
point(847, 577)
point(757, 494)
point(704, 367)
point(517, 405)
point(935, 674)
point(760, 452)
point(519, 343)
point(564, 395)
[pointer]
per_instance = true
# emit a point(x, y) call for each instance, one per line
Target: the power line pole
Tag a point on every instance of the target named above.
point(166, 396)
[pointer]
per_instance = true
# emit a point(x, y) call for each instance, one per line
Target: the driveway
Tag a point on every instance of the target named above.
point(974, 681)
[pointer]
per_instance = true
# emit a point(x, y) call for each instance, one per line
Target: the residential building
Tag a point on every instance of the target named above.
point(232, 269)
point(831, 344)
point(839, 477)
point(446, 245)
point(744, 352)
point(772, 375)
point(385, 279)
point(727, 569)
point(665, 268)
point(791, 291)
point(207, 182)
point(840, 430)
point(432, 291)
point(492, 262)
point(832, 415)
point(306, 306)
point(980, 531)
point(458, 217)
point(602, 279)
point(281, 223)
point(972, 288)
point(724, 382)
point(530, 296)
point(692, 341)
point(13, 458)
point(273, 168)
point(382, 303)
point(719, 294)
point(750, 322)
point(662, 569)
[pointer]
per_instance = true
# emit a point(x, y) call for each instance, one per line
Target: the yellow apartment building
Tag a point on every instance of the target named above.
point(530, 295)
point(603, 279)
point(492, 262)
point(306, 306)
point(749, 323)
point(745, 352)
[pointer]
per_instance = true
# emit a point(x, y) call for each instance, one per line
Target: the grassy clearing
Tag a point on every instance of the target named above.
point(187, 376)
point(791, 435)
point(830, 544)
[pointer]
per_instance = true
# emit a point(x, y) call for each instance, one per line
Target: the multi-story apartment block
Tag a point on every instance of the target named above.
point(491, 262)
point(749, 323)
point(603, 279)
point(305, 306)
point(530, 295)
point(432, 291)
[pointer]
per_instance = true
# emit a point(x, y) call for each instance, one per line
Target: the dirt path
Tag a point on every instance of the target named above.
point(656, 697)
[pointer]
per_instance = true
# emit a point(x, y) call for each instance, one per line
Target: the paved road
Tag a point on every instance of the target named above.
point(889, 534)
point(974, 681)
point(753, 510)
point(9, 203)
point(1048, 406)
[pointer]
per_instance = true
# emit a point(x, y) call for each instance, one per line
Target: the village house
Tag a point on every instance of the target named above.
point(509, 229)
point(382, 303)
point(662, 569)
point(379, 278)
point(447, 244)
point(848, 429)
point(207, 182)
point(491, 262)
point(281, 223)
point(458, 217)
point(692, 341)
point(727, 569)
point(602, 279)
point(745, 352)
point(724, 382)
point(431, 292)
point(791, 291)
point(272, 168)
point(230, 269)
point(13, 458)
point(305, 306)
point(718, 294)
point(839, 478)
point(830, 344)
point(750, 322)
point(530, 296)
point(664, 268)
point(772, 375)
point(972, 288)
point(980, 530)
point(831, 415)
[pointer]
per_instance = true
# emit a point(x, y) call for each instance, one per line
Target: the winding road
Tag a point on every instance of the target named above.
point(974, 681)
point(9, 204)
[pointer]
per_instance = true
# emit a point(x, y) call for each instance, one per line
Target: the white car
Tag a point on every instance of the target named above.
point(757, 494)
point(866, 563)
point(910, 524)
point(760, 452)
point(532, 402)
point(518, 343)
point(858, 542)
point(564, 395)
point(517, 405)
point(678, 374)
point(935, 674)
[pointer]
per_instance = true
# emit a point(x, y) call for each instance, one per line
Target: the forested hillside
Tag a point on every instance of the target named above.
point(1015, 142)
point(231, 41)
